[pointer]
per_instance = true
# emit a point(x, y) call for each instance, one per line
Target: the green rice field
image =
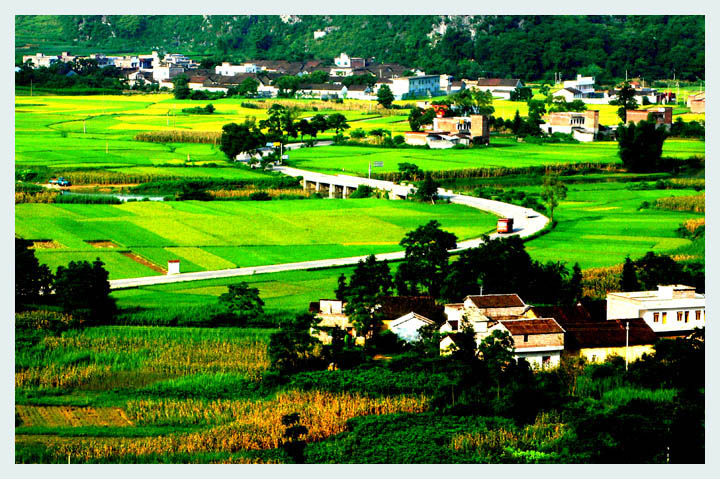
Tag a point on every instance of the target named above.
point(502, 153)
point(221, 235)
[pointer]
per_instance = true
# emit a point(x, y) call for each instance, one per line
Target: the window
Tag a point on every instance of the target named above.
point(656, 317)
point(679, 315)
point(697, 315)
point(546, 360)
point(687, 316)
point(664, 317)
point(525, 338)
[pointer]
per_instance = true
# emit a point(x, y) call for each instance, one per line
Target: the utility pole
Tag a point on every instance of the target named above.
point(31, 87)
point(627, 342)
point(84, 130)
point(369, 168)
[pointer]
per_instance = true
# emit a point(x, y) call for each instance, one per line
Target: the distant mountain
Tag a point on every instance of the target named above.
point(525, 47)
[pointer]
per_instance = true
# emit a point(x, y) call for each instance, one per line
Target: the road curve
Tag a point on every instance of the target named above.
point(526, 223)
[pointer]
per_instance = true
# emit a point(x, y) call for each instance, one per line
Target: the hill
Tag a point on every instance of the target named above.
point(527, 47)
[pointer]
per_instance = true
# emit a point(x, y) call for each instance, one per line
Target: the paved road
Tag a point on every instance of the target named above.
point(527, 222)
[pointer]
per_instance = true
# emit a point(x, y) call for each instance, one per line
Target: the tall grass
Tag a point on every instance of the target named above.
point(695, 203)
point(597, 282)
point(623, 395)
point(105, 177)
point(87, 199)
point(179, 136)
point(46, 196)
point(497, 172)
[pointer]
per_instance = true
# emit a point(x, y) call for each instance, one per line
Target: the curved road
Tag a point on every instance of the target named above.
point(526, 223)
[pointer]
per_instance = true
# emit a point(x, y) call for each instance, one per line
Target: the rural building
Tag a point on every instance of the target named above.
point(227, 69)
point(696, 102)
point(596, 341)
point(589, 334)
point(583, 84)
point(403, 315)
point(539, 341)
point(672, 310)
point(474, 126)
point(360, 92)
point(583, 126)
point(416, 86)
point(662, 117)
point(323, 91)
point(317, 34)
point(40, 60)
point(166, 72)
point(499, 87)
point(569, 94)
point(482, 310)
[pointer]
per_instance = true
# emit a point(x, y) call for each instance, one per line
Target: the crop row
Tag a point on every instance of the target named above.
point(695, 203)
point(180, 136)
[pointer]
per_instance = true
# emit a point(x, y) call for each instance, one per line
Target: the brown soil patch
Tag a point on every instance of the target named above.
point(102, 244)
point(46, 244)
point(65, 416)
point(139, 259)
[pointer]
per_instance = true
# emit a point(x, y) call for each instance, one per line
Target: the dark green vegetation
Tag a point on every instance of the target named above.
point(526, 47)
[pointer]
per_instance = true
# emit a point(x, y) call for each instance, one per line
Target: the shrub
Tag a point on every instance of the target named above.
point(260, 196)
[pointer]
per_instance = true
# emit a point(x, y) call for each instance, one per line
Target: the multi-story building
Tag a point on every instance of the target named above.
point(41, 60)
point(228, 70)
point(539, 341)
point(582, 125)
point(581, 83)
point(672, 310)
point(416, 86)
point(696, 102)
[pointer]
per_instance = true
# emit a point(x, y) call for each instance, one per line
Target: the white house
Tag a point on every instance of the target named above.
point(319, 34)
point(228, 70)
point(417, 86)
point(539, 341)
point(581, 83)
point(673, 309)
point(407, 327)
point(482, 311)
point(499, 87)
point(166, 72)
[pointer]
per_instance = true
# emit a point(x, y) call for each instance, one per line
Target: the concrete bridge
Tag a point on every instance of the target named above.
point(526, 223)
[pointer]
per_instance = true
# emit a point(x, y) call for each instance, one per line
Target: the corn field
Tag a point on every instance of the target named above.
point(105, 177)
point(695, 203)
point(273, 192)
point(693, 224)
point(497, 172)
point(253, 425)
point(597, 282)
point(180, 136)
point(47, 196)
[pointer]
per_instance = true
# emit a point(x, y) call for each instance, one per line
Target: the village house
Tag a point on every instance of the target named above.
point(539, 341)
point(324, 91)
point(696, 102)
point(447, 132)
point(583, 84)
point(403, 315)
point(227, 69)
point(413, 87)
point(499, 87)
point(672, 310)
point(583, 126)
point(40, 60)
point(480, 310)
point(662, 116)
point(589, 334)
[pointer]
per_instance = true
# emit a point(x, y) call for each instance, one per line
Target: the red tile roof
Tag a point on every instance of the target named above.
point(497, 301)
point(611, 333)
point(497, 82)
point(532, 326)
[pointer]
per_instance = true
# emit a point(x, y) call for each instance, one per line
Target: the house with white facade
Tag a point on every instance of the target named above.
point(415, 86)
point(41, 60)
point(482, 311)
point(227, 69)
point(539, 341)
point(672, 310)
point(407, 327)
point(583, 125)
point(499, 87)
point(581, 83)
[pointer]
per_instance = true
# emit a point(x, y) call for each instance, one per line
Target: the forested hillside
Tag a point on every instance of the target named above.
point(527, 47)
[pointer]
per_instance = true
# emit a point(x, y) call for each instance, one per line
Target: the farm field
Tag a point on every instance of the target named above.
point(600, 224)
point(502, 153)
point(221, 235)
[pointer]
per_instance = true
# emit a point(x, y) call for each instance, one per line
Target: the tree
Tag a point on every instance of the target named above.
point(319, 122)
point(654, 269)
point(625, 100)
point(337, 122)
point(409, 172)
point(293, 446)
point(248, 87)
point(32, 279)
point(318, 76)
point(521, 94)
point(496, 353)
point(280, 121)
point(560, 104)
point(385, 96)
point(369, 281)
point(640, 145)
point(553, 190)
point(181, 90)
point(629, 281)
point(516, 123)
point(427, 189)
point(242, 138)
point(341, 290)
point(419, 117)
point(293, 348)
point(476, 102)
point(287, 85)
point(243, 302)
point(575, 286)
point(83, 290)
point(426, 259)
point(305, 127)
